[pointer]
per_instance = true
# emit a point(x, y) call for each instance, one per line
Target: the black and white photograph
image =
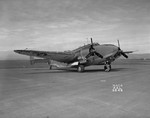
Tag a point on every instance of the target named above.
point(74, 58)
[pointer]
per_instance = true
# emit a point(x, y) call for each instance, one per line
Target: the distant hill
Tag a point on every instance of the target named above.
point(139, 56)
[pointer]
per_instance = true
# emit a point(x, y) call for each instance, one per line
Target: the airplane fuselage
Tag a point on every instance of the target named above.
point(106, 50)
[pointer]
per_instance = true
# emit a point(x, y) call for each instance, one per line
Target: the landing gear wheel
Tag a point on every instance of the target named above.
point(107, 68)
point(110, 67)
point(80, 68)
point(50, 67)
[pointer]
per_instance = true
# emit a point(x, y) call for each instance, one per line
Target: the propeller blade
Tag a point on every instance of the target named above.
point(91, 41)
point(126, 56)
point(92, 54)
point(118, 43)
point(88, 55)
point(99, 55)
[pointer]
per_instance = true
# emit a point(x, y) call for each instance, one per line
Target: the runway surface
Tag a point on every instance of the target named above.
point(41, 93)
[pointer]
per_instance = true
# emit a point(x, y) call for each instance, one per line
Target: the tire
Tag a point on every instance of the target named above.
point(110, 67)
point(80, 68)
point(50, 67)
point(107, 68)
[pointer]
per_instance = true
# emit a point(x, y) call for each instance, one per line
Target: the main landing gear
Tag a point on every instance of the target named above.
point(80, 68)
point(107, 67)
point(50, 67)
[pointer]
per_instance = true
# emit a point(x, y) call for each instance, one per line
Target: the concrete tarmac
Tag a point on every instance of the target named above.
point(41, 93)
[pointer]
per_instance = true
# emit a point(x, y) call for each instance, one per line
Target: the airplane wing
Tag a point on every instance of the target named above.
point(127, 52)
point(65, 57)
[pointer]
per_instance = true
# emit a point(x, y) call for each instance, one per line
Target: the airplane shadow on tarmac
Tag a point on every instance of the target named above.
point(40, 71)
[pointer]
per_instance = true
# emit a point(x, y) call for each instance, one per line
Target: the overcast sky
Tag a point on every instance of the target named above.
point(66, 24)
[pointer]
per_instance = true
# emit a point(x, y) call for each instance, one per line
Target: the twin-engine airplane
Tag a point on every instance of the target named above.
point(90, 54)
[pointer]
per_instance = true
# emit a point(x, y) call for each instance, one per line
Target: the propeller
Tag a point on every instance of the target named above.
point(126, 56)
point(118, 44)
point(92, 51)
point(91, 41)
point(121, 52)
